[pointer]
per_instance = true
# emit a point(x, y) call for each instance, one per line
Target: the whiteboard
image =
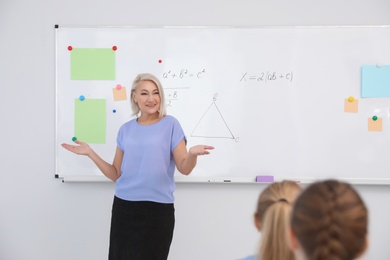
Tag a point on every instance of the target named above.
point(270, 99)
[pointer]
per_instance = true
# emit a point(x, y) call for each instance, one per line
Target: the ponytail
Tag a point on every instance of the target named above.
point(273, 212)
point(274, 232)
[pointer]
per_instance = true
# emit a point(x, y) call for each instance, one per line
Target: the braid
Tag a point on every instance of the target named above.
point(330, 221)
point(328, 241)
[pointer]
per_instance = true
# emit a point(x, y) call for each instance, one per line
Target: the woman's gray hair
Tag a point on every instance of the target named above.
point(148, 77)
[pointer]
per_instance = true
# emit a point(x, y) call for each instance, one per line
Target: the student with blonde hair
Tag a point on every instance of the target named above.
point(329, 221)
point(272, 218)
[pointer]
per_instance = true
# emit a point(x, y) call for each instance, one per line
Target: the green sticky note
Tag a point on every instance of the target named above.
point(90, 120)
point(92, 64)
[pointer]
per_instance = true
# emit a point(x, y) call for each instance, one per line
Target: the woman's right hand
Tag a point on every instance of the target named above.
point(82, 148)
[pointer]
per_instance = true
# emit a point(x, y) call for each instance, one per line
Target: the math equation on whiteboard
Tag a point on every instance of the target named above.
point(267, 77)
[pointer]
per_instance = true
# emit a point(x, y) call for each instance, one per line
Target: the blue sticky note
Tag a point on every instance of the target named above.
point(375, 81)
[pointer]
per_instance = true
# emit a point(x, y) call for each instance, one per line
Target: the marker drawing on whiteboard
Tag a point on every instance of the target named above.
point(219, 127)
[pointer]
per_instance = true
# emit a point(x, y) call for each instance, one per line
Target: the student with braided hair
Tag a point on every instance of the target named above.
point(272, 218)
point(329, 222)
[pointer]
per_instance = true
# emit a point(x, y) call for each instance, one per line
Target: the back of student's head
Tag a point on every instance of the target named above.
point(329, 220)
point(273, 213)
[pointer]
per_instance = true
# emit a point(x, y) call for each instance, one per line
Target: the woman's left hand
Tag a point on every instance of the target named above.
point(200, 149)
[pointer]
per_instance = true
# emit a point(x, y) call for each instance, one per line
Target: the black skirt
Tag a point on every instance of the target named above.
point(141, 230)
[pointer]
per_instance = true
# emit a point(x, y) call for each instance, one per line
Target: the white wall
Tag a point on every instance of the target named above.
point(42, 218)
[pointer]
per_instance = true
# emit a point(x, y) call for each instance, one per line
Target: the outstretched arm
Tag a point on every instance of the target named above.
point(111, 171)
point(186, 161)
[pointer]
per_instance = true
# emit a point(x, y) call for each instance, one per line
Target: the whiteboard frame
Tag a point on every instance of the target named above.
point(184, 179)
point(232, 180)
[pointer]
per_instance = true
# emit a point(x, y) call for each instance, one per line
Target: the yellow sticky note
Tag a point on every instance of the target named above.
point(351, 107)
point(375, 125)
point(119, 94)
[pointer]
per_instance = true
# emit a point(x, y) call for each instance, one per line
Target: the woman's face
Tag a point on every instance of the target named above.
point(147, 97)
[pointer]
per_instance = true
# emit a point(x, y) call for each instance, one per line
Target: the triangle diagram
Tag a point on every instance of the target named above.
point(212, 125)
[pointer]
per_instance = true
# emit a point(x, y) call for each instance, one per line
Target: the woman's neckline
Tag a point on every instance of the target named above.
point(149, 122)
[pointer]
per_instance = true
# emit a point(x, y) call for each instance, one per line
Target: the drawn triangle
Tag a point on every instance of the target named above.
point(212, 125)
